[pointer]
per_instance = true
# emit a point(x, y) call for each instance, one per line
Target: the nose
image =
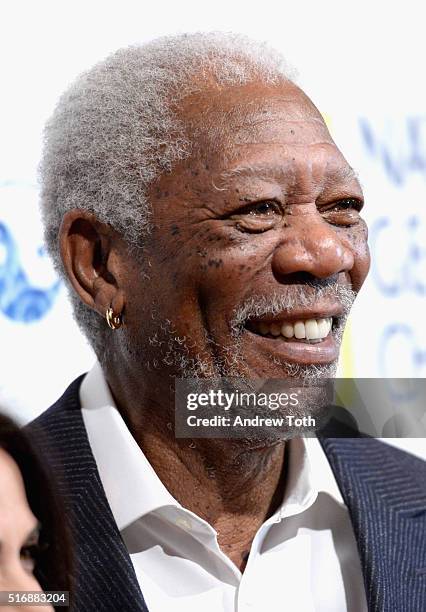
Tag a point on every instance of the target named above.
point(312, 245)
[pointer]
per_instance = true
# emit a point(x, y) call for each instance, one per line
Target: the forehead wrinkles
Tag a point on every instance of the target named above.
point(262, 131)
point(241, 107)
point(245, 125)
point(298, 173)
point(290, 140)
point(294, 122)
point(222, 124)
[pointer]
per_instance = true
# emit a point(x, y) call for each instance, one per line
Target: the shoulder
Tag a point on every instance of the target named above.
point(371, 463)
point(60, 423)
point(383, 451)
point(69, 400)
point(412, 465)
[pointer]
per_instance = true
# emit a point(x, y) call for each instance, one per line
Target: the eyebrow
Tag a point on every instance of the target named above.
point(340, 174)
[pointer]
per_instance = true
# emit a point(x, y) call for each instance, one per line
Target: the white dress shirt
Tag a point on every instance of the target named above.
point(303, 558)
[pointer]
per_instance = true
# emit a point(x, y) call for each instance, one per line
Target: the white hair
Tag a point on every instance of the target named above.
point(117, 128)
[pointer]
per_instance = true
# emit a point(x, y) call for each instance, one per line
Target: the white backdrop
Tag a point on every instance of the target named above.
point(362, 64)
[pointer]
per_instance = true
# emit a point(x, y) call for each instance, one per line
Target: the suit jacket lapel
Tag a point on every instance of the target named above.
point(387, 505)
point(105, 578)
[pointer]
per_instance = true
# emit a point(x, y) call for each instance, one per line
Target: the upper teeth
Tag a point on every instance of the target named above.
point(312, 329)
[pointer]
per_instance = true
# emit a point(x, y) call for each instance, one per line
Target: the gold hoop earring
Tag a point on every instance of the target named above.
point(114, 321)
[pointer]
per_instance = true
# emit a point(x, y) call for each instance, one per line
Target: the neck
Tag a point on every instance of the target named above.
point(232, 484)
point(232, 487)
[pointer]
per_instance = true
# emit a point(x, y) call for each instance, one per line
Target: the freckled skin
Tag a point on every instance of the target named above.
point(204, 258)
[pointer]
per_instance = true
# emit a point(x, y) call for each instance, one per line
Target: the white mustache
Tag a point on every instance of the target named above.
point(294, 298)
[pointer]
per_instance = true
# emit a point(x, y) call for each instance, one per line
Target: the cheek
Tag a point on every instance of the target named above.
point(227, 267)
point(220, 272)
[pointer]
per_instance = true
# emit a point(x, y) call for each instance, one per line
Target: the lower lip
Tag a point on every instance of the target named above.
point(292, 351)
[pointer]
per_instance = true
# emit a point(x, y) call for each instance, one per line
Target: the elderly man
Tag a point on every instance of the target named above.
point(207, 225)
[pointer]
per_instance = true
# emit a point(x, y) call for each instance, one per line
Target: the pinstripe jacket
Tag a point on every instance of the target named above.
point(383, 487)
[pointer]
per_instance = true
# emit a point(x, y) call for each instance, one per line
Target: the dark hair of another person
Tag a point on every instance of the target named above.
point(53, 554)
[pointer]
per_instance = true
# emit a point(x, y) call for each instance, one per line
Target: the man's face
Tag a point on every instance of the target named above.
point(257, 242)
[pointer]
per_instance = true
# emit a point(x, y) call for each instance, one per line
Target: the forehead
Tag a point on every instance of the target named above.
point(259, 130)
point(255, 113)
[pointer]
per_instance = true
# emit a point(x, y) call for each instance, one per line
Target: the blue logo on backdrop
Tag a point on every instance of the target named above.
point(403, 337)
point(410, 273)
point(401, 148)
point(19, 300)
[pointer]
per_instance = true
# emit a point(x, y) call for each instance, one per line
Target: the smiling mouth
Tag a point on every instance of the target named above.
point(306, 331)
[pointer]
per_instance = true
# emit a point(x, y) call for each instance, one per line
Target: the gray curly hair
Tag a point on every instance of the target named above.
point(115, 130)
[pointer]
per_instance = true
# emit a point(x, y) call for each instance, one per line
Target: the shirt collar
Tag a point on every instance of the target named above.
point(131, 485)
point(308, 473)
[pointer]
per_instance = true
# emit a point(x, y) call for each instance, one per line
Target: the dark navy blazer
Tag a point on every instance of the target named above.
point(383, 487)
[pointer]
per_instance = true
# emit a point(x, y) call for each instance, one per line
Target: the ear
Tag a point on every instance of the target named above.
point(90, 261)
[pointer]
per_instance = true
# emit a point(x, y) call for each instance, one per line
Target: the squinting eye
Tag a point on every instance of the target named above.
point(345, 204)
point(268, 207)
point(257, 217)
point(343, 213)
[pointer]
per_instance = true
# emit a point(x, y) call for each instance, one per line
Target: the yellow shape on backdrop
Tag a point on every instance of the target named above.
point(327, 120)
point(347, 363)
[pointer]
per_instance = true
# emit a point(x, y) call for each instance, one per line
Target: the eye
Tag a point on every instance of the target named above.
point(32, 552)
point(268, 208)
point(344, 212)
point(346, 204)
point(28, 557)
point(258, 217)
